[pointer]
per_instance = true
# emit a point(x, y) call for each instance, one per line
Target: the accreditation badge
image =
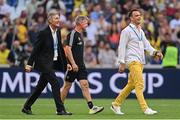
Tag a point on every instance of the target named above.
point(141, 45)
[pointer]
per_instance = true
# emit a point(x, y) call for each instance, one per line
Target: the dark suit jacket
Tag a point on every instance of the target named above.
point(43, 52)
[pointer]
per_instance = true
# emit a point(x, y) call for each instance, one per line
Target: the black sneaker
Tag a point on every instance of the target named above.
point(63, 112)
point(27, 111)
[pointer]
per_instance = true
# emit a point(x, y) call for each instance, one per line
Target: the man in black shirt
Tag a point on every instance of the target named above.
point(74, 49)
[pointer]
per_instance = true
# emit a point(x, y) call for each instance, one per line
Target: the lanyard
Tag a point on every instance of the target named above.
point(55, 44)
point(139, 37)
point(55, 41)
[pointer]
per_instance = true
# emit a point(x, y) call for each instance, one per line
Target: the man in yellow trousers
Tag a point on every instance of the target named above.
point(132, 45)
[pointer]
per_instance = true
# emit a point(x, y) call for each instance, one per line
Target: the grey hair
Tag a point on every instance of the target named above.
point(51, 13)
point(80, 18)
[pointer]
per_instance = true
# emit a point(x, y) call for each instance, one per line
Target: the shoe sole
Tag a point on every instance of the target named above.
point(151, 114)
point(23, 111)
point(64, 114)
point(113, 109)
point(115, 112)
point(99, 111)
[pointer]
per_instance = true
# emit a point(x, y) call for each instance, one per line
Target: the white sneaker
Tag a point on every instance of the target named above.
point(96, 109)
point(116, 110)
point(149, 111)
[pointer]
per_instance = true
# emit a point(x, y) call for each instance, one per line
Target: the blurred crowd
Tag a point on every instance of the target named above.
point(20, 21)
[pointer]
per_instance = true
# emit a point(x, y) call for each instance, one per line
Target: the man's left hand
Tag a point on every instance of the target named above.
point(158, 56)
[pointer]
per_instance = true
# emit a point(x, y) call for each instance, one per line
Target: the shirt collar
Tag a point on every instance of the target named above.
point(133, 26)
point(52, 31)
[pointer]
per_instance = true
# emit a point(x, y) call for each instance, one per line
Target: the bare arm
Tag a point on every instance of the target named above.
point(69, 55)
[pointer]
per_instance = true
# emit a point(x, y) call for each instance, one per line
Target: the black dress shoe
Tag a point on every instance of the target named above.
point(63, 113)
point(27, 111)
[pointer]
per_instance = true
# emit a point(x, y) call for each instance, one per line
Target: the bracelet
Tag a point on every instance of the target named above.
point(155, 53)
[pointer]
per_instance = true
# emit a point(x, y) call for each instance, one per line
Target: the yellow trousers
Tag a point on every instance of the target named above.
point(135, 81)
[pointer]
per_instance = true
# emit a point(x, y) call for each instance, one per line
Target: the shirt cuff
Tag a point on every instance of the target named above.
point(153, 52)
point(121, 61)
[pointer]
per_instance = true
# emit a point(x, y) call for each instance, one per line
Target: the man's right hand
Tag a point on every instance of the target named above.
point(121, 68)
point(28, 68)
point(75, 68)
point(69, 67)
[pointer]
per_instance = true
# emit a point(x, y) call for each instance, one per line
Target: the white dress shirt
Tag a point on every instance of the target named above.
point(132, 44)
point(55, 43)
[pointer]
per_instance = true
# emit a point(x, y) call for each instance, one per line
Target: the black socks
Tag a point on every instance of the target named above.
point(90, 104)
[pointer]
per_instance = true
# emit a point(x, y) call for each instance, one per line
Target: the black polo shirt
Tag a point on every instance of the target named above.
point(75, 40)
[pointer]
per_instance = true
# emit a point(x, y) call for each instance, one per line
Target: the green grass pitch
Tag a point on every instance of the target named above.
point(45, 109)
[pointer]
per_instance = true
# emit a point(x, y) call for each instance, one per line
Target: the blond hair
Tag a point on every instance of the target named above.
point(80, 18)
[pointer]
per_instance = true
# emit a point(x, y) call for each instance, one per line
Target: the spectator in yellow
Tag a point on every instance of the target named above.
point(4, 52)
point(132, 44)
point(78, 3)
point(22, 32)
point(79, 11)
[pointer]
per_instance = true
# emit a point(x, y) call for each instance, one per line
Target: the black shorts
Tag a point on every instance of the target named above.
point(80, 75)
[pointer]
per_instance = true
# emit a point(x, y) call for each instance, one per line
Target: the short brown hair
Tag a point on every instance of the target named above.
point(131, 12)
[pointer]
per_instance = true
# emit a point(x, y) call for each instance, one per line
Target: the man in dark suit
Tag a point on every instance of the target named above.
point(47, 56)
